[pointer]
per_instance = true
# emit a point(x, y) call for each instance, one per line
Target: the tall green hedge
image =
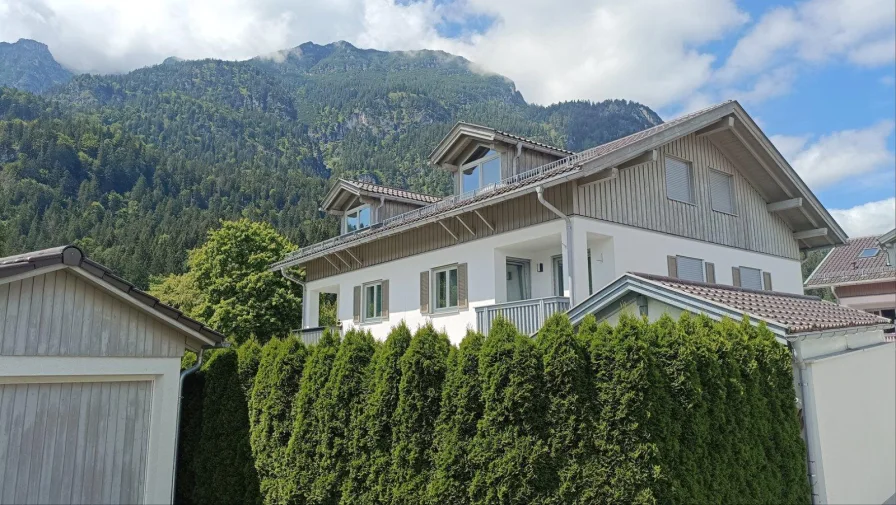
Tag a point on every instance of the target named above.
point(680, 412)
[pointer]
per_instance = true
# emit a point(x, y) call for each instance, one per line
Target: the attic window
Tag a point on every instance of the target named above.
point(479, 153)
point(869, 252)
point(480, 172)
point(356, 219)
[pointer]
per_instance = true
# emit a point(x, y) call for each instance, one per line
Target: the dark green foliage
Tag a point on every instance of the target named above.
point(509, 452)
point(456, 427)
point(270, 408)
point(423, 369)
point(308, 424)
point(341, 401)
point(190, 432)
point(249, 354)
point(224, 470)
point(370, 442)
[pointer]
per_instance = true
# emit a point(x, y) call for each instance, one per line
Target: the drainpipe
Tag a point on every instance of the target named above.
point(377, 210)
point(286, 275)
point(180, 396)
point(516, 159)
point(803, 391)
point(569, 246)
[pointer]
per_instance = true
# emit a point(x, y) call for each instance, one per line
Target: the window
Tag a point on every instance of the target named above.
point(485, 169)
point(356, 219)
point(518, 283)
point(445, 292)
point(557, 273)
point(689, 269)
point(750, 278)
point(373, 301)
point(679, 180)
point(721, 187)
point(869, 252)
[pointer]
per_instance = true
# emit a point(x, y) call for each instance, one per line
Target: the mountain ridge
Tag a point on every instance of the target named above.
point(28, 65)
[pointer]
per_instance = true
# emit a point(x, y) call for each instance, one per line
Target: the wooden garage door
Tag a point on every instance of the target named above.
point(81, 442)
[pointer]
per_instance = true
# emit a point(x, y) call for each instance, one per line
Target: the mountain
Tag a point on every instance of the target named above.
point(28, 65)
point(137, 167)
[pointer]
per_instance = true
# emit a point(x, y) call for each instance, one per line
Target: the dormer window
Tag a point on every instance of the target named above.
point(356, 219)
point(869, 252)
point(481, 169)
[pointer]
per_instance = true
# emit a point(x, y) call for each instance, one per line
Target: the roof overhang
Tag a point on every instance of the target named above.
point(887, 238)
point(344, 196)
point(464, 135)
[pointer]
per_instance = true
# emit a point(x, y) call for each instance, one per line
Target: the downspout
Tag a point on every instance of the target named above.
point(377, 210)
point(569, 246)
point(180, 396)
point(516, 159)
point(803, 395)
point(286, 275)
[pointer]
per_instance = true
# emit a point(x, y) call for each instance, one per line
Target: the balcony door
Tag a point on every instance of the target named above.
point(519, 284)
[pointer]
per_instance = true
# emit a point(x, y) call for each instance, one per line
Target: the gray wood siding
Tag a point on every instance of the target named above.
point(529, 159)
point(391, 209)
point(638, 198)
point(61, 314)
point(80, 442)
point(509, 215)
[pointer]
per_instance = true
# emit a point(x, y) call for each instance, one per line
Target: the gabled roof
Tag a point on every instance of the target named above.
point(481, 133)
point(843, 265)
point(887, 238)
point(785, 314)
point(776, 181)
point(358, 188)
point(73, 257)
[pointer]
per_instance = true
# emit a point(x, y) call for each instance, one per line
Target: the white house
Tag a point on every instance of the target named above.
point(843, 372)
point(533, 229)
point(89, 383)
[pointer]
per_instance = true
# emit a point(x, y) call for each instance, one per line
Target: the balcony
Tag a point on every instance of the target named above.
point(311, 336)
point(527, 315)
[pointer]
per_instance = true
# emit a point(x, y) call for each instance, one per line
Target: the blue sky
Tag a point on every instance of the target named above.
point(817, 75)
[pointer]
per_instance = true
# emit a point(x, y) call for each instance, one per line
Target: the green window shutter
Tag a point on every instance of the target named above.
point(767, 281)
point(356, 305)
point(710, 273)
point(385, 294)
point(462, 302)
point(735, 276)
point(424, 292)
point(672, 261)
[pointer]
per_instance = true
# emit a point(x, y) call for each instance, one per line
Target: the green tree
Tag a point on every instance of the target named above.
point(179, 291)
point(423, 369)
point(509, 453)
point(370, 443)
point(249, 354)
point(270, 407)
point(456, 427)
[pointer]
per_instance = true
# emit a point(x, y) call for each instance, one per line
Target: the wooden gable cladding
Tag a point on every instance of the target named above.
point(637, 197)
point(509, 215)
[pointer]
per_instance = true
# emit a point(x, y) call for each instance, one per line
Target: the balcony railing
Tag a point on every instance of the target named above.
point(311, 336)
point(527, 315)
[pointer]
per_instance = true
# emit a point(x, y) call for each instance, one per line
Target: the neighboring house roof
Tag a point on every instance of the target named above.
point(486, 134)
point(785, 314)
point(809, 216)
point(844, 265)
point(887, 238)
point(375, 190)
point(73, 257)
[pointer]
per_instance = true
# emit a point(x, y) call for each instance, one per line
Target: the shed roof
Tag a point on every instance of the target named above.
point(785, 313)
point(73, 257)
point(844, 265)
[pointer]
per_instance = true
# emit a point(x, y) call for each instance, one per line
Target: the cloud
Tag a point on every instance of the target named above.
point(872, 218)
point(841, 155)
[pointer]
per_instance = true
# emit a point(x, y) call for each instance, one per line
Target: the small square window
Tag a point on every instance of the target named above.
point(869, 252)
point(373, 301)
point(679, 180)
point(750, 278)
point(689, 269)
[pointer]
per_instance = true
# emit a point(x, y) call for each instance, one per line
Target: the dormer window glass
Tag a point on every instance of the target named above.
point(482, 169)
point(356, 219)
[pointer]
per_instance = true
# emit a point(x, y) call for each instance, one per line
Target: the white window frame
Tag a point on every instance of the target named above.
point(558, 286)
point(712, 201)
point(378, 288)
point(478, 165)
point(761, 278)
point(356, 210)
point(693, 190)
point(435, 288)
point(679, 269)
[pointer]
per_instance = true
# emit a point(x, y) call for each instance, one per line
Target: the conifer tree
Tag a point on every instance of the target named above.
point(341, 400)
point(270, 408)
point(509, 452)
point(307, 425)
point(371, 433)
point(423, 369)
point(249, 355)
point(460, 413)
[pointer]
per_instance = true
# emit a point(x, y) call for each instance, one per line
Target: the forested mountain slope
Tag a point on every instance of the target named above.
point(29, 66)
point(136, 167)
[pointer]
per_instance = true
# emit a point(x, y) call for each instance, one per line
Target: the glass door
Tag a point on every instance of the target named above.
point(519, 285)
point(557, 269)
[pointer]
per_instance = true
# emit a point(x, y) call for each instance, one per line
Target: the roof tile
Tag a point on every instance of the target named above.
point(843, 265)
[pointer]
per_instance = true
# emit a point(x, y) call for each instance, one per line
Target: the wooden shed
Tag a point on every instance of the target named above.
point(89, 382)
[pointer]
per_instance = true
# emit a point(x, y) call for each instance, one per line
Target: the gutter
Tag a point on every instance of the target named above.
point(180, 396)
point(570, 268)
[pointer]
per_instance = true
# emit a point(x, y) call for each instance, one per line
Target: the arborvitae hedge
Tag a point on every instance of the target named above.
point(678, 412)
point(270, 409)
point(370, 441)
point(249, 354)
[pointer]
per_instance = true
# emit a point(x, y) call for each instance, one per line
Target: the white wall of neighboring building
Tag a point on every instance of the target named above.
point(615, 249)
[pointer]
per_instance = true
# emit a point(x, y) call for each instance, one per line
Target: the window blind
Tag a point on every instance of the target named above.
point(679, 180)
point(750, 278)
point(722, 191)
point(689, 269)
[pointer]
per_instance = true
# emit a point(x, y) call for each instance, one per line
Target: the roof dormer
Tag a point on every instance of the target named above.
point(363, 204)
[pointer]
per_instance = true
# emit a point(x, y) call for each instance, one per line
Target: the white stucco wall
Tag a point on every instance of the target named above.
point(853, 407)
point(615, 249)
